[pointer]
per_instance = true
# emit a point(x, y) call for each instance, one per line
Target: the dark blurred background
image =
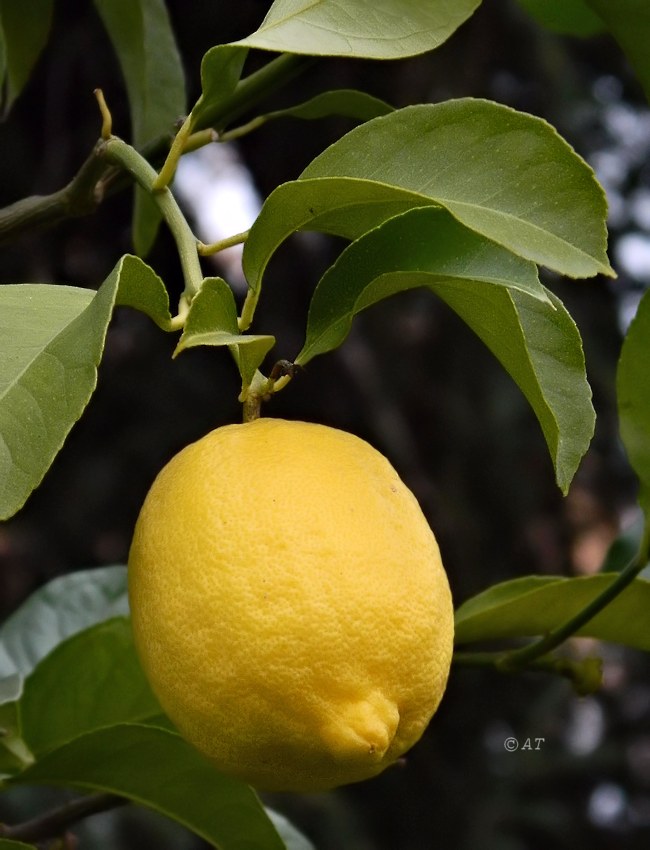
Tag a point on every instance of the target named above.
point(413, 381)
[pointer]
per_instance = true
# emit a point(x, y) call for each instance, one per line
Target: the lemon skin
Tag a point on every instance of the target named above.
point(289, 604)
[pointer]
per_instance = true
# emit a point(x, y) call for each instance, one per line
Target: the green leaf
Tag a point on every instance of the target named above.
point(221, 70)
point(421, 247)
point(629, 23)
point(143, 38)
point(534, 338)
point(534, 605)
point(540, 346)
point(348, 103)
point(374, 29)
point(293, 839)
point(61, 608)
point(633, 389)
point(156, 768)
point(89, 681)
point(51, 342)
point(8, 844)
point(13, 751)
point(503, 173)
point(25, 28)
point(569, 17)
point(212, 320)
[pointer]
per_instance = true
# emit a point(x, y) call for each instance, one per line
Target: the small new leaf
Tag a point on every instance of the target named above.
point(212, 320)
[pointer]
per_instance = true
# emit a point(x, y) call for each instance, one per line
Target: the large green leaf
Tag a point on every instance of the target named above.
point(496, 293)
point(570, 17)
point(212, 320)
point(24, 30)
point(375, 29)
point(422, 247)
point(143, 38)
point(629, 23)
point(534, 605)
point(504, 174)
point(89, 681)
point(633, 388)
point(51, 342)
point(61, 608)
point(156, 768)
point(540, 346)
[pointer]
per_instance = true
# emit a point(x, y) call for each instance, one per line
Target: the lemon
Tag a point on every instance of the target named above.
point(289, 604)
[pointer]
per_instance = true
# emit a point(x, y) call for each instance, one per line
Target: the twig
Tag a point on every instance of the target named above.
point(55, 822)
point(94, 180)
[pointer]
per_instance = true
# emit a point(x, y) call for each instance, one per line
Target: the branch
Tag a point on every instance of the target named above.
point(95, 180)
point(80, 197)
point(56, 822)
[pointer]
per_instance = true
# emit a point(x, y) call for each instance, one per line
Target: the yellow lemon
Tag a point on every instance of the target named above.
point(289, 604)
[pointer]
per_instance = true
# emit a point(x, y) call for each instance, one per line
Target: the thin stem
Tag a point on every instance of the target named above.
point(81, 197)
point(519, 658)
point(248, 309)
point(55, 822)
point(107, 118)
point(243, 129)
point(166, 173)
point(228, 242)
point(584, 674)
point(253, 88)
point(200, 139)
point(131, 161)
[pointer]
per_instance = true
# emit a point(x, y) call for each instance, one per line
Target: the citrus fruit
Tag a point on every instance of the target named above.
point(289, 604)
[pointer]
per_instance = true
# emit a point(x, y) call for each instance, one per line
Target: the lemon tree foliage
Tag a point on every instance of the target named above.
point(535, 605)
point(633, 386)
point(24, 29)
point(83, 695)
point(373, 29)
point(466, 199)
point(51, 342)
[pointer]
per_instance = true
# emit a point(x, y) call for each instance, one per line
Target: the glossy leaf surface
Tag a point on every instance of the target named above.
point(504, 174)
point(156, 768)
point(534, 605)
point(496, 294)
point(51, 342)
point(373, 29)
